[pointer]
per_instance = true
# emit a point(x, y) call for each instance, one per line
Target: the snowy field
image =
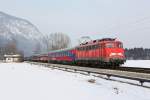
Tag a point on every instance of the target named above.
point(23, 81)
point(137, 63)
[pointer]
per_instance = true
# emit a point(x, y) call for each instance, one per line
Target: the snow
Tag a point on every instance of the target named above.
point(137, 63)
point(23, 81)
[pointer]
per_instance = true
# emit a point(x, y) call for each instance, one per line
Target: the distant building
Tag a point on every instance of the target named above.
point(13, 58)
point(2, 52)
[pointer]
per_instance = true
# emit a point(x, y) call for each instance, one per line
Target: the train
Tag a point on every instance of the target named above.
point(100, 52)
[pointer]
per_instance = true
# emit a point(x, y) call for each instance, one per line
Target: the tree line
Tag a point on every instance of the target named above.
point(48, 42)
point(53, 41)
point(137, 54)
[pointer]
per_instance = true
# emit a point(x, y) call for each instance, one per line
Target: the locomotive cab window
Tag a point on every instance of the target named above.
point(119, 45)
point(109, 45)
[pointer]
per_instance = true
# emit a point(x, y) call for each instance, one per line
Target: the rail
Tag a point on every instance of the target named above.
point(136, 69)
point(130, 69)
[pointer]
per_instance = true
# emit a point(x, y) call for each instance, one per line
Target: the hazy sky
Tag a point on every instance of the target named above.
point(128, 20)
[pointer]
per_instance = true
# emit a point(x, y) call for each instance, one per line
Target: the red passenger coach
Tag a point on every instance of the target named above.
point(66, 56)
point(106, 51)
point(43, 58)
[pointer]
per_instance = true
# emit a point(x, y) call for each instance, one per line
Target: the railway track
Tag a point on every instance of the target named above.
point(138, 74)
point(123, 68)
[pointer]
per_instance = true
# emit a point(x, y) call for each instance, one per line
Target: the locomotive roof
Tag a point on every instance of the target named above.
point(107, 39)
point(98, 40)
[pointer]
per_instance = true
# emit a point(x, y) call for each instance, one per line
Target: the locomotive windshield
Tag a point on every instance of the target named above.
point(114, 45)
point(109, 45)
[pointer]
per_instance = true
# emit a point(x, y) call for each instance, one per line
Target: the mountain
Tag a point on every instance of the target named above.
point(25, 35)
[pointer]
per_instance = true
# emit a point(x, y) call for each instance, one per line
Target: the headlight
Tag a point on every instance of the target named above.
point(116, 54)
point(113, 54)
point(120, 54)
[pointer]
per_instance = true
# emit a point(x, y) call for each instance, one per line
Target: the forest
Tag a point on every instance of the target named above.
point(137, 54)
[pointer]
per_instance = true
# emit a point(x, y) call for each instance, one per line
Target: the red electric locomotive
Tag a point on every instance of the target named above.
point(106, 51)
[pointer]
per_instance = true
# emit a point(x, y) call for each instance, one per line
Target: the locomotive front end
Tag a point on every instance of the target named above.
point(115, 53)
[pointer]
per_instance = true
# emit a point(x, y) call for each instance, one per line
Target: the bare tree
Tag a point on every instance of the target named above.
point(56, 41)
point(11, 47)
point(37, 48)
point(46, 39)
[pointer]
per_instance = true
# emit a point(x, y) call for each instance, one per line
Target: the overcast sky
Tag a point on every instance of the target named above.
point(128, 20)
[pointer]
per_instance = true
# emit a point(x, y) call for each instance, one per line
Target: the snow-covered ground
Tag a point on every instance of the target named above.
point(23, 81)
point(137, 63)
